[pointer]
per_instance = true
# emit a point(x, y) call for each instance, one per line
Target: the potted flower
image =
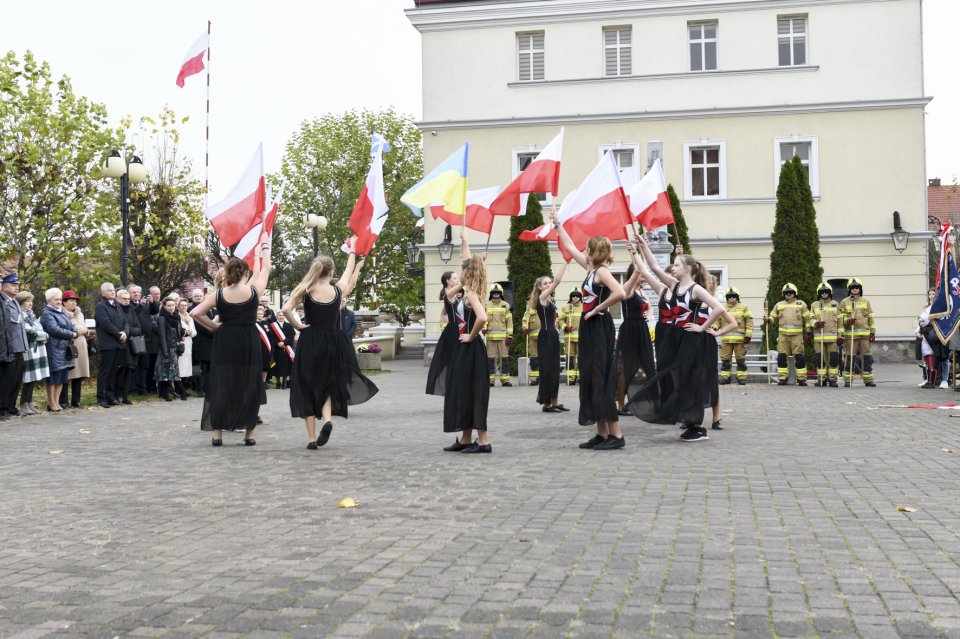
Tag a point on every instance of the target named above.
point(368, 356)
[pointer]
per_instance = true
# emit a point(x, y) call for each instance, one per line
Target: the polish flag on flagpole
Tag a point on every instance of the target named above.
point(597, 207)
point(370, 212)
point(477, 216)
point(544, 233)
point(649, 202)
point(193, 62)
point(243, 208)
point(248, 246)
point(541, 176)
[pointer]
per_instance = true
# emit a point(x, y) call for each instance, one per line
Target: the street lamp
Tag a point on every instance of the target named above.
point(413, 259)
point(900, 236)
point(317, 223)
point(132, 172)
point(446, 246)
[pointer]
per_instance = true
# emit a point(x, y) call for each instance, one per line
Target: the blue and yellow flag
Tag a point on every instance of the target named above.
point(447, 184)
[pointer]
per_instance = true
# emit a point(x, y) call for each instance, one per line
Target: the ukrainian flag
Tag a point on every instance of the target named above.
point(447, 184)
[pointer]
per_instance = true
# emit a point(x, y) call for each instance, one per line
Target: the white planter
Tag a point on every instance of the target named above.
point(370, 361)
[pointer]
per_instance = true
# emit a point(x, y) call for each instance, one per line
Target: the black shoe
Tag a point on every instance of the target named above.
point(724, 381)
point(478, 448)
point(716, 425)
point(456, 446)
point(259, 420)
point(184, 397)
point(625, 412)
point(847, 385)
point(694, 434)
point(782, 382)
point(325, 431)
point(834, 384)
point(741, 382)
point(492, 384)
point(551, 409)
point(819, 383)
point(312, 446)
point(611, 443)
point(168, 398)
point(870, 384)
point(216, 442)
point(927, 385)
point(75, 406)
point(506, 383)
point(4, 417)
point(801, 382)
point(126, 402)
point(562, 408)
point(534, 382)
point(594, 441)
point(249, 442)
point(105, 404)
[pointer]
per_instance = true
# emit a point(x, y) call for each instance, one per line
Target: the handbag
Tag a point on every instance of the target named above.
point(138, 345)
point(181, 349)
point(72, 349)
point(92, 348)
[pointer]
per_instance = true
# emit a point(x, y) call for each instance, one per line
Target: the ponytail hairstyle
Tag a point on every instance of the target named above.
point(443, 283)
point(697, 270)
point(234, 271)
point(321, 267)
point(474, 275)
point(600, 250)
point(535, 293)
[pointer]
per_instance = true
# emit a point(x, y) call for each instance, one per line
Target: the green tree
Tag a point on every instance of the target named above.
point(526, 261)
point(796, 242)
point(678, 230)
point(325, 165)
point(52, 143)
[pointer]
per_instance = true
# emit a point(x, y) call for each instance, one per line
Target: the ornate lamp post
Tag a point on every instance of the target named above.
point(132, 172)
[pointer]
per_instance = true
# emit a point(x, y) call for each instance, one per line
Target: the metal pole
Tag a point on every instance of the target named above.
point(766, 338)
point(125, 227)
point(316, 242)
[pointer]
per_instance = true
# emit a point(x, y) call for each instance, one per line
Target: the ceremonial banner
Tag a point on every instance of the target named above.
point(540, 176)
point(945, 310)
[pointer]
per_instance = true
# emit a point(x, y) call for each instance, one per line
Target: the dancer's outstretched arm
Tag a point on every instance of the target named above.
point(545, 295)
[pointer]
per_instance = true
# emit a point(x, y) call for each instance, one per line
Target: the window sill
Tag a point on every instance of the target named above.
point(664, 76)
point(725, 201)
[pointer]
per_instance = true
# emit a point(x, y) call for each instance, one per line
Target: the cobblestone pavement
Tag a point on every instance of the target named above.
point(786, 524)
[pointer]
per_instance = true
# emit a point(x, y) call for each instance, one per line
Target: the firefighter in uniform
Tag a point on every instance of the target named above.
point(569, 326)
point(791, 316)
point(531, 330)
point(859, 330)
point(499, 332)
point(734, 343)
point(826, 326)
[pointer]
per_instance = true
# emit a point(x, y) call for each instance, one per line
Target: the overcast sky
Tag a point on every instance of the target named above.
point(277, 63)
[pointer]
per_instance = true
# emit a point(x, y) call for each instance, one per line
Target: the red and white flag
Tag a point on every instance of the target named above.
point(193, 62)
point(544, 233)
point(541, 176)
point(243, 208)
point(248, 247)
point(477, 216)
point(597, 207)
point(649, 202)
point(370, 212)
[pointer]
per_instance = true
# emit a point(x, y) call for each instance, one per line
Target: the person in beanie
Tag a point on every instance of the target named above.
point(81, 365)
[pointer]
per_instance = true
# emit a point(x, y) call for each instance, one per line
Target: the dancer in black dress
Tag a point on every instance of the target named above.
point(634, 347)
point(235, 391)
point(681, 388)
point(598, 371)
point(467, 389)
point(548, 341)
point(326, 375)
point(449, 336)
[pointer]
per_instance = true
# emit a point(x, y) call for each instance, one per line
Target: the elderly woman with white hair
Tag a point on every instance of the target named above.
point(60, 348)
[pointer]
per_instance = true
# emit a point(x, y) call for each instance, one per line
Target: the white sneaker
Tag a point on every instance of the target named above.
point(944, 384)
point(921, 383)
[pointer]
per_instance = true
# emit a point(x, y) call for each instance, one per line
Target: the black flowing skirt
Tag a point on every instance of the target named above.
point(467, 393)
point(234, 389)
point(442, 356)
point(326, 367)
point(548, 350)
point(598, 371)
point(635, 352)
point(680, 390)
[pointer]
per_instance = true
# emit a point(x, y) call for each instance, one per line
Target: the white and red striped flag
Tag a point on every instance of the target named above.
point(649, 202)
point(541, 176)
point(597, 207)
point(248, 247)
point(478, 215)
point(370, 212)
point(243, 208)
point(193, 62)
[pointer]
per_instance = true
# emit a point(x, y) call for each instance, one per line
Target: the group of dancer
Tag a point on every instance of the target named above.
point(619, 374)
point(325, 377)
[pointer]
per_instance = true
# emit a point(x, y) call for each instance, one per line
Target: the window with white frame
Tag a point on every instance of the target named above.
point(521, 159)
point(705, 169)
point(530, 56)
point(805, 147)
point(703, 46)
point(792, 40)
point(617, 51)
point(626, 156)
point(654, 152)
point(719, 271)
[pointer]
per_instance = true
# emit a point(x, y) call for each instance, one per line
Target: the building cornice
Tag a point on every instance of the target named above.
point(479, 15)
point(679, 114)
point(683, 75)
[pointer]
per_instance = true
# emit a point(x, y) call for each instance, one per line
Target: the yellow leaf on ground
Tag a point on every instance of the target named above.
point(906, 509)
point(347, 502)
point(949, 450)
point(84, 431)
point(55, 452)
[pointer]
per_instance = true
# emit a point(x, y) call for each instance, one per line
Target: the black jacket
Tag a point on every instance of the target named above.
point(111, 321)
point(169, 332)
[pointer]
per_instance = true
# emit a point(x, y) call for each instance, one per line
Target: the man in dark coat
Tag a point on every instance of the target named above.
point(112, 331)
point(13, 345)
point(202, 346)
point(138, 384)
point(154, 300)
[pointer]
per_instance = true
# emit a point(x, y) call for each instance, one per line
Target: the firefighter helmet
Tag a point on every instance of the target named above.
point(854, 283)
point(789, 287)
point(576, 292)
point(733, 291)
point(496, 288)
point(824, 288)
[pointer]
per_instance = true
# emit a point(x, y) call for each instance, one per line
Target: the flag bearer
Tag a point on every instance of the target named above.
point(499, 335)
point(859, 330)
point(825, 324)
point(734, 344)
point(531, 330)
point(791, 316)
point(569, 325)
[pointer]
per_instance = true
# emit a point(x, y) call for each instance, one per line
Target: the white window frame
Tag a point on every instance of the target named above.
point(657, 147)
point(688, 169)
point(634, 173)
point(791, 37)
point(623, 50)
point(813, 168)
point(515, 167)
point(703, 41)
point(723, 281)
point(533, 52)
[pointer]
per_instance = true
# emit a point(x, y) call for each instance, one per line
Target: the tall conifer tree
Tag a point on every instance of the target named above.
point(678, 230)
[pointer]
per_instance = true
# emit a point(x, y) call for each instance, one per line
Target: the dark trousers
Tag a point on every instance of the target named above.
point(124, 378)
point(11, 376)
point(107, 375)
point(73, 386)
point(139, 384)
point(151, 368)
